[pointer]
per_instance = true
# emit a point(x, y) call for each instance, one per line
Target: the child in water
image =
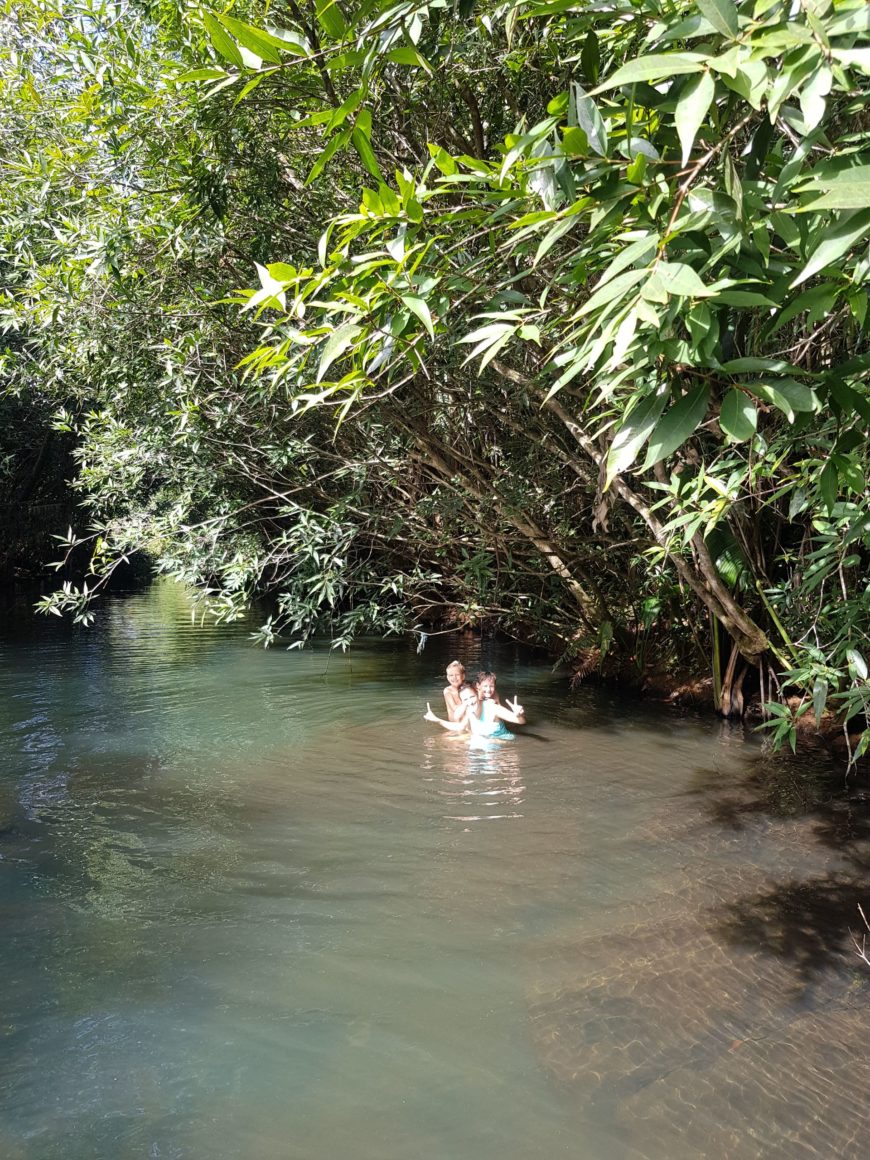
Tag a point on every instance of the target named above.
point(485, 682)
point(489, 702)
point(473, 719)
point(455, 678)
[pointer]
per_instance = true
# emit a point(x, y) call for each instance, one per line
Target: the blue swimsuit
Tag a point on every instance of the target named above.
point(487, 725)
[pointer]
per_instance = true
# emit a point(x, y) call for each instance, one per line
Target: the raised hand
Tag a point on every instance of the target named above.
point(515, 706)
point(429, 715)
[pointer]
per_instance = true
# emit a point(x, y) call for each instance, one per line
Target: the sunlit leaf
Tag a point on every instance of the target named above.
point(722, 14)
point(654, 67)
point(222, 41)
point(336, 345)
point(836, 240)
point(252, 38)
point(420, 308)
point(633, 433)
point(692, 107)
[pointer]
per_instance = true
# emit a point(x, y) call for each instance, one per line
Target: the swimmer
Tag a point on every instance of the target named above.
point(473, 719)
point(491, 708)
point(485, 682)
point(455, 678)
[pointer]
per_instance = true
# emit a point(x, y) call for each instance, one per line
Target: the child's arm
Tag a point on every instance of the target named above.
point(453, 726)
point(455, 708)
point(514, 714)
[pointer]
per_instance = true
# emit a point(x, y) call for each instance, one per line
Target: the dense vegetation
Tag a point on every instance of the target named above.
point(557, 322)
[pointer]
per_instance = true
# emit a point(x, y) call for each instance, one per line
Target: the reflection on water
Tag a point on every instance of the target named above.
point(485, 779)
point(255, 907)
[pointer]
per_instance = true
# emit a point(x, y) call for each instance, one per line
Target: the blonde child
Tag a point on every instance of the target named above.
point(455, 679)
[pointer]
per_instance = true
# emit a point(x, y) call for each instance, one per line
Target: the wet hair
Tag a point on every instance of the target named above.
point(456, 665)
point(485, 676)
point(467, 685)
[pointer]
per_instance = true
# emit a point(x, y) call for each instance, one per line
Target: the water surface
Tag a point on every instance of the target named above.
point(255, 908)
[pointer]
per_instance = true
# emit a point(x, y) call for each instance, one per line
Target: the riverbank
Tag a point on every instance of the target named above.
point(696, 692)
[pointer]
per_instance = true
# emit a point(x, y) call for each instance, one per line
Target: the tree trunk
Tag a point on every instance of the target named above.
point(731, 703)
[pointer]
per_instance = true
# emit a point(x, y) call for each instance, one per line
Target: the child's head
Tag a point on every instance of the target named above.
point(455, 674)
point(468, 695)
point(486, 686)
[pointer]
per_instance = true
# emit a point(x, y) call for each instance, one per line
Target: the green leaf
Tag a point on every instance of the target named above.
point(679, 280)
point(633, 433)
point(583, 111)
point(743, 298)
point(409, 56)
point(336, 142)
point(575, 142)
point(787, 395)
point(287, 39)
point(816, 301)
point(847, 189)
point(612, 289)
point(692, 108)
point(722, 14)
point(637, 169)
point(836, 240)
point(848, 399)
point(419, 307)
point(253, 39)
point(486, 333)
point(737, 366)
point(640, 252)
point(677, 425)
point(318, 118)
point(200, 74)
point(857, 663)
point(224, 44)
point(654, 67)
point(252, 84)
point(558, 106)
point(820, 698)
point(590, 58)
point(858, 58)
point(348, 106)
point(335, 346)
point(331, 18)
point(738, 417)
point(813, 96)
point(363, 146)
point(559, 230)
point(857, 21)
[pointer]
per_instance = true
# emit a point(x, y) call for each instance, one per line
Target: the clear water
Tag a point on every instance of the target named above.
point(255, 908)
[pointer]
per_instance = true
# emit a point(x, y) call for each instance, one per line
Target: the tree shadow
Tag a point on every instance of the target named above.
point(809, 924)
point(777, 787)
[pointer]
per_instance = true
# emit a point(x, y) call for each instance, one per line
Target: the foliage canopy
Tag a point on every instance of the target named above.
point(559, 321)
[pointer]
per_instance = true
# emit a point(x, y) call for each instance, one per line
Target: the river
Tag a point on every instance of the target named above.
point(255, 908)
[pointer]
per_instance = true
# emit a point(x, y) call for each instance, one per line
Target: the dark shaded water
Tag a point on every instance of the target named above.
point(255, 908)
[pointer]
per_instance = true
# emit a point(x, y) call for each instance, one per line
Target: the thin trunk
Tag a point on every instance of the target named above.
point(703, 578)
point(731, 704)
point(590, 604)
point(717, 662)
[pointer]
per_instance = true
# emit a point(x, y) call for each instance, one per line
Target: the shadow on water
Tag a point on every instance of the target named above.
point(809, 924)
point(806, 921)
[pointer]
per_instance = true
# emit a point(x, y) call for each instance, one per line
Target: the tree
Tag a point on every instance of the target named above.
point(584, 355)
